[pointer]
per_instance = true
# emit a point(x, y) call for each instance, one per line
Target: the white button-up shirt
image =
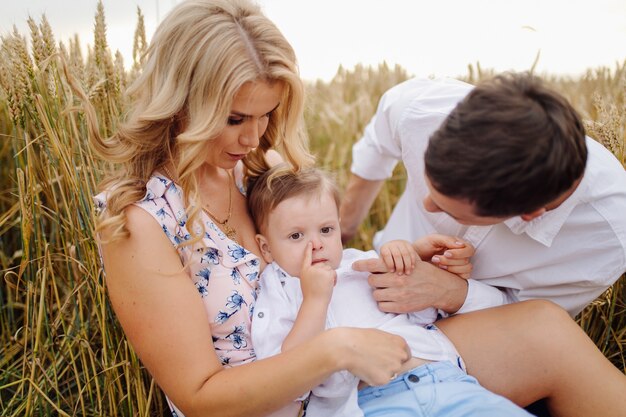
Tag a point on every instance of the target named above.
point(569, 255)
point(351, 305)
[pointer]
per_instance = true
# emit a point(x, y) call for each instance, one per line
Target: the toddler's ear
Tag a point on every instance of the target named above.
point(265, 248)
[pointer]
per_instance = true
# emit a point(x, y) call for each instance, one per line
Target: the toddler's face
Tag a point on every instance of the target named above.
point(297, 221)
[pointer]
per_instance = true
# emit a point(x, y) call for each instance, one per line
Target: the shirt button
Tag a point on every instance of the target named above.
point(414, 378)
point(260, 315)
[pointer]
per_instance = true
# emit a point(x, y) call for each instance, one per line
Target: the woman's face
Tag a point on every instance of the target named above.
point(248, 119)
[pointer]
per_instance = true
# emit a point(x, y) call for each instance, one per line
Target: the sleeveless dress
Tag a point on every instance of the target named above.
point(224, 273)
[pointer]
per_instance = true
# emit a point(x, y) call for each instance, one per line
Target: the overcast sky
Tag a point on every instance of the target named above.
point(427, 37)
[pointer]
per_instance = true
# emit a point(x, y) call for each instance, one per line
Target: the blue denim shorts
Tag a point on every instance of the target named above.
point(438, 389)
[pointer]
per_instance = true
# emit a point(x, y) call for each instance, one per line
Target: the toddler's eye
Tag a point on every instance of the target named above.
point(326, 230)
point(295, 236)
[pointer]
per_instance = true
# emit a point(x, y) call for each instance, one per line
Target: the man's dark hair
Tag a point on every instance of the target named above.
point(509, 148)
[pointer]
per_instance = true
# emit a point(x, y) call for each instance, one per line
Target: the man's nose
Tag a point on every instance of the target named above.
point(430, 206)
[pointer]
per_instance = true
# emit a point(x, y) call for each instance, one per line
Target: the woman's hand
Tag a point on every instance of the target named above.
point(446, 252)
point(374, 356)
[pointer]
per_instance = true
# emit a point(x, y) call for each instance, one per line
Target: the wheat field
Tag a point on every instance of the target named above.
point(62, 351)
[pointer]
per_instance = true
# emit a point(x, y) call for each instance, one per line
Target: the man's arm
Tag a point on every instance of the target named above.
point(427, 286)
point(357, 200)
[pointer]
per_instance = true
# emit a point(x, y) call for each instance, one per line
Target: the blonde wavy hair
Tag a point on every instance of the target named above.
point(202, 53)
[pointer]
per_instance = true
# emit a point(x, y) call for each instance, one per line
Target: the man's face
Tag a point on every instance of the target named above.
point(460, 210)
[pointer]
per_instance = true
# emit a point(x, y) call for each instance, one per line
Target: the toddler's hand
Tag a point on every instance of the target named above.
point(399, 256)
point(316, 280)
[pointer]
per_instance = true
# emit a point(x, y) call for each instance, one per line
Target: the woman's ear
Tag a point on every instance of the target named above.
point(265, 248)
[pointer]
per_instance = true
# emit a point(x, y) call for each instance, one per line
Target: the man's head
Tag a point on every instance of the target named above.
point(511, 147)
point(291, 208)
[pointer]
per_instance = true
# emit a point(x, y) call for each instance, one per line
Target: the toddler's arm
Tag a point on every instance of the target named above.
point(317, 282)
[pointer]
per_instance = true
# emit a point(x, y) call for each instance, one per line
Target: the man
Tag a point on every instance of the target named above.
point(505, 166)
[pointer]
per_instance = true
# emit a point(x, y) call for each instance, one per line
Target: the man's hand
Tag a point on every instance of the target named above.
point(447, 252)
point(427, 286)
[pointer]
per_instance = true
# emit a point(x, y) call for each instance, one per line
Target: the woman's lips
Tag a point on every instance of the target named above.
point(237, 156)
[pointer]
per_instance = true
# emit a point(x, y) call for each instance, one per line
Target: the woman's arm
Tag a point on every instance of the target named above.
point(355, 204)
point(165, 321)
point(532, 350)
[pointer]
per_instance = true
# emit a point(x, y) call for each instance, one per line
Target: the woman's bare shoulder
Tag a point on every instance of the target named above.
point(145, 249)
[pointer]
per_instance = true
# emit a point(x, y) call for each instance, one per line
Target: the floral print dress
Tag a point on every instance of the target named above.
point(224, 273)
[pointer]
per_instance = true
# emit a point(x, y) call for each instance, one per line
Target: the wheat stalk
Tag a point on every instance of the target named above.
point(61, 349)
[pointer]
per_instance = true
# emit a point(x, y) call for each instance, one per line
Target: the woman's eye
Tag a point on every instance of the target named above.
point(326, 230)
point(234, 121)
point(295, 236)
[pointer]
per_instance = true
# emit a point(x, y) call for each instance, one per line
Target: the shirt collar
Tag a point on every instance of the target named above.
point(288, 283)
point(544, 228)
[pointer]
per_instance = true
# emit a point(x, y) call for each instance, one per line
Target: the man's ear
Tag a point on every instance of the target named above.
point(529, 216)
point(265, 248)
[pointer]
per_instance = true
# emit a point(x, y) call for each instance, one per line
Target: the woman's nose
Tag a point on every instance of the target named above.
point(250, 134)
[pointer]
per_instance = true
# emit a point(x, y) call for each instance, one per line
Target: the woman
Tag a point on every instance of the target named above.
point(219, 92)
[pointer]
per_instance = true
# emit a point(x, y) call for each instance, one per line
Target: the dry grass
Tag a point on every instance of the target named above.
point(61, 349)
